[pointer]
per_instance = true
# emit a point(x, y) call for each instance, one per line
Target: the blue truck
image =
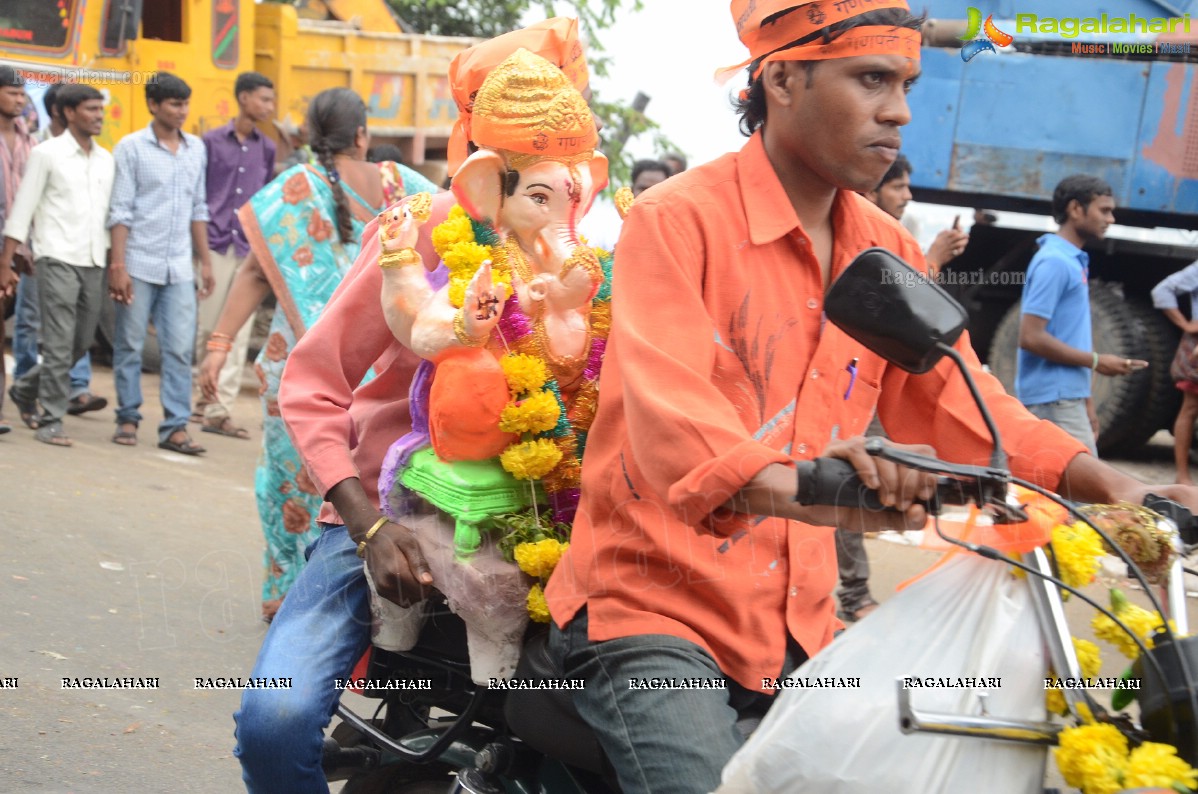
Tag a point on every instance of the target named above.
point(1056, 87)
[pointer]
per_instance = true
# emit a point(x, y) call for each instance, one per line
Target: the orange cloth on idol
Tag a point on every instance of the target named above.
point(555, 39)
point(770, 28)
point(718, 364)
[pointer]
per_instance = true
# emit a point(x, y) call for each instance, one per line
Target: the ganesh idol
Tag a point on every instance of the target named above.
point(513, 341)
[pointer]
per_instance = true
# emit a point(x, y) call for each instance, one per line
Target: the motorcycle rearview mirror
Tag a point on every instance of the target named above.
point(895, 311)
point(906, 318)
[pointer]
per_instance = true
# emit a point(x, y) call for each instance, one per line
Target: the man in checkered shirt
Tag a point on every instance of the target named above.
point(158, 218)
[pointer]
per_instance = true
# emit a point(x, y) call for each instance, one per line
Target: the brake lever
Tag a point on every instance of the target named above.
point(1180, 515)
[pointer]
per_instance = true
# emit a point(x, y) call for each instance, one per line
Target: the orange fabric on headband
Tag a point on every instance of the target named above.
point(555, 39)
point(865, 40)
point(766, 27)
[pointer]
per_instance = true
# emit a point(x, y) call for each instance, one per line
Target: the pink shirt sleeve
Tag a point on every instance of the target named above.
point(342, 430)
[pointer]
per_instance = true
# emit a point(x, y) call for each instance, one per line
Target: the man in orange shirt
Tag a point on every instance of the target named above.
point(690, 560)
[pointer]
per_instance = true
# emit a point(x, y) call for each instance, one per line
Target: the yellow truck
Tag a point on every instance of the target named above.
point(116, 45)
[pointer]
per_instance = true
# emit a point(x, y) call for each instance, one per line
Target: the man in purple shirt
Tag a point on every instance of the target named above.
point(240, 161)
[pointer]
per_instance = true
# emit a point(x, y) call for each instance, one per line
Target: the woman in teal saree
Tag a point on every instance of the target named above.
point(304, 230)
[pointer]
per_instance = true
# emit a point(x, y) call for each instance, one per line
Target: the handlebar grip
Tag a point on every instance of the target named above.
point(834, 482)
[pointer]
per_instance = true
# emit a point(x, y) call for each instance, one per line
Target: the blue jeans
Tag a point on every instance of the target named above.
point(318, 635)
point(659, 741)
point(173, 308)
point(27, 321)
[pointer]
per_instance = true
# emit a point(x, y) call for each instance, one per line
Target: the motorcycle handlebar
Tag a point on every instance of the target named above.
point(834, 482)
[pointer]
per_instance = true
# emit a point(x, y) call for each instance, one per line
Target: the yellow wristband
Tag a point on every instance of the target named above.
point(401, 258)
point(1094, 366)
point(370, 534)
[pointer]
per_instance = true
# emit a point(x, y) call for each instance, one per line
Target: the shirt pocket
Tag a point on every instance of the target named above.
point(858, 400)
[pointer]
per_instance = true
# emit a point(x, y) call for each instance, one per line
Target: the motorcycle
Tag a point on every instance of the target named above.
point(454, 736)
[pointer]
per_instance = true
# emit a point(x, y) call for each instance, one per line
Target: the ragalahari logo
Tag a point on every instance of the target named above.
point(990, 35)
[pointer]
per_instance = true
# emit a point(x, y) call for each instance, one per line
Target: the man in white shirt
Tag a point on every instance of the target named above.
point(64, 195)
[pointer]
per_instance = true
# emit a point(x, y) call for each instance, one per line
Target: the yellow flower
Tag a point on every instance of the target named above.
point(456, 228)
point(1153, 764)
point(457, 291)
point(465, 258)
point(1089, 659)
point(540, 558)
point(1142, 622)
point(538, 609)
point(1054, 699)
point(1093, 758)
point(524, 373)
point(1077, 549)
point(530, 460)
point(534, 414)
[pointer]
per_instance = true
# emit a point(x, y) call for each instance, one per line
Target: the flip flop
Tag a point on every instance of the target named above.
point(54, 435)
point(184, 447)
point(86, 403)
point(226, 428)
point(27, 410)
point(5, 427)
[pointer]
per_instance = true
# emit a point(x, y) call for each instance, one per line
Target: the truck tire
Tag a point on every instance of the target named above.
point(1132, 408)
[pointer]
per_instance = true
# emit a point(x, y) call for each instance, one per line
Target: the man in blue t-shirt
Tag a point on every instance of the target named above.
point(1056, 355)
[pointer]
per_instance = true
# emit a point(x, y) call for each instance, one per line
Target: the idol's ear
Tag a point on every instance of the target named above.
point(598, 168)
point(478, 185)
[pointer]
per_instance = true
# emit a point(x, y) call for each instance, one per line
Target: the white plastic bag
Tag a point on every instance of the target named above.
point(968, 619)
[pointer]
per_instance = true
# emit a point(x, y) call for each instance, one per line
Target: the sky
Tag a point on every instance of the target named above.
point(670, 50)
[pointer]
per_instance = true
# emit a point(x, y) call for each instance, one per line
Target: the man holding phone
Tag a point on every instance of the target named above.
point(1056, 356)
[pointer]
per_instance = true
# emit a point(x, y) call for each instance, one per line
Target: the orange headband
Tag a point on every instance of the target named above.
point(769, 41)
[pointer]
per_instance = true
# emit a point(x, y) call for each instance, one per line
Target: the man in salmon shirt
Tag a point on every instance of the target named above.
point(690, 559)
point(342, 431)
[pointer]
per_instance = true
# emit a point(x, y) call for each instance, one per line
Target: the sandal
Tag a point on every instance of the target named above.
point(184, 447)
point(225, 427)
point(28, 410)
point(126, 438)
point(85, 403)
point(53, 434)
point(5, 427)
point(859, 613)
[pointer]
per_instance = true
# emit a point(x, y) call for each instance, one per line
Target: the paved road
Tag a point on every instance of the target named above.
point(142, 563)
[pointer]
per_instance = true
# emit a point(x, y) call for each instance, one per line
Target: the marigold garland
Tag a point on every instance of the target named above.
point(1096, 757)
point(540, 558)
point(1093, 758)
point(524, 373)
point(1156, 764)
point(1089, 659)
point(538, 608)
point(536, 413)
point(457, 241)
point(1141, 622)
point(1077, 549)
point(530, 460)
point(553, 431)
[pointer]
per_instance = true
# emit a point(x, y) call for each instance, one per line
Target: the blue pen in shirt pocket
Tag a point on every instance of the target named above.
point(851, 368)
